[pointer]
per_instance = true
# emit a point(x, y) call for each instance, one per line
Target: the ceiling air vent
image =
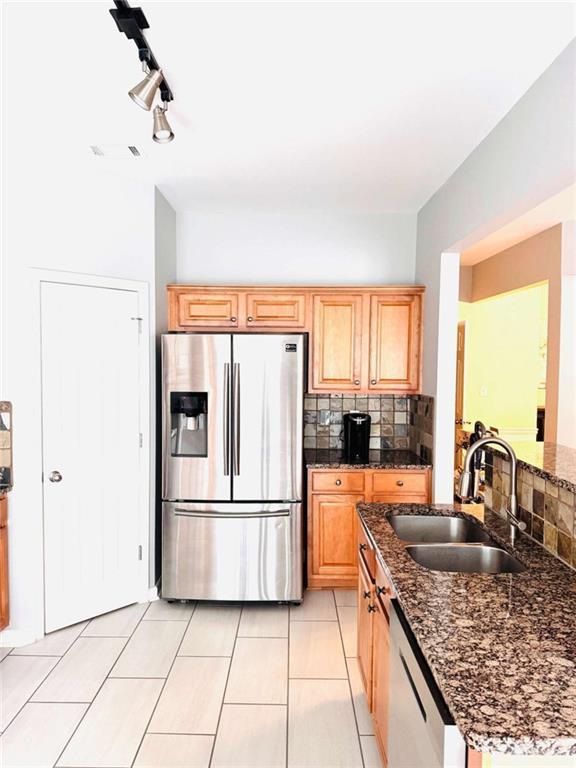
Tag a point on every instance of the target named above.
point(115, 151)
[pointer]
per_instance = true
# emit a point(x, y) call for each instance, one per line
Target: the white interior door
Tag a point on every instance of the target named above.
point(90, 421)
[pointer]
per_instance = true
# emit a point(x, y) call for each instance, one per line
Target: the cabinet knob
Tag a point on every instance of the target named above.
point(381, 590)
point(357, 382)
point(250, 319)
point(366, 595)
point(338, 482)
point(233, 319)
point(371, 608)
point(363, 547)
point(400, 482)
point(55, 476)
point(373, 381)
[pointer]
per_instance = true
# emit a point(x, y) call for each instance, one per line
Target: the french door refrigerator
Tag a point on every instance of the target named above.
point(232, 412)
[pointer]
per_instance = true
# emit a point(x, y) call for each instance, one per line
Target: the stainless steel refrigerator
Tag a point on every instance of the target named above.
point(232, 412)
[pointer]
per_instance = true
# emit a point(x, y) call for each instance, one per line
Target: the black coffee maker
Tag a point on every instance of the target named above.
point(356, 437)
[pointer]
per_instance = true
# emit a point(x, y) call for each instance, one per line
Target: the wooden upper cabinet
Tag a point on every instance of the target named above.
point(395, 341)
point(336, 363)
point(203, 310)
point(276, 310)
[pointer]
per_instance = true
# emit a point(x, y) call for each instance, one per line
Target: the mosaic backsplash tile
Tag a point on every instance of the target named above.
point(397, 421)
point(549, 511)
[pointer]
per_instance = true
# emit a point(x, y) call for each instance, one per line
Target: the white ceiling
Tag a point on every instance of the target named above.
point(283, 106)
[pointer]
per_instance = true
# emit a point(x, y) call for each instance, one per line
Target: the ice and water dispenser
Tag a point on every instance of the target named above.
point(189, 423)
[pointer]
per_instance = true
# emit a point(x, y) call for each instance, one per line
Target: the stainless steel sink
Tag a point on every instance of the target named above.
point(436, 529)
point(464, 558)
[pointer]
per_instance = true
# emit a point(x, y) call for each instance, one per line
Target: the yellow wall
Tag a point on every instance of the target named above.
point(503, 357)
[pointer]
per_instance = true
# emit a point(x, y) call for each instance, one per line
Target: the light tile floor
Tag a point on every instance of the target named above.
point(171, 685)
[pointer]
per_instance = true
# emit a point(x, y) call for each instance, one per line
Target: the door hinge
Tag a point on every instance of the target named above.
point(139, 319)
point(140, 439)
point(139, 551)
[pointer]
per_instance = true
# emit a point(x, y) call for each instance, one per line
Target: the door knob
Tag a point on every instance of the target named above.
point(55, 477)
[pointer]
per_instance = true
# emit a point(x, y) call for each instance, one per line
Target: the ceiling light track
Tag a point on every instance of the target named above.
point(131, 22)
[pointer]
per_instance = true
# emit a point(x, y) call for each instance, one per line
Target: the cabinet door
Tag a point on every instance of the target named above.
point(203, 310)
point(380, 677)
point(365, 623)
point(337, 342)
point(4, 612)
point(275, 310)
point(333, 536)
point(395, 323)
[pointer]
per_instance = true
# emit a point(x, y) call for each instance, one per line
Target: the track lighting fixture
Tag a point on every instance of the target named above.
point(143, 93)
point(162, 133)
point(132, 22)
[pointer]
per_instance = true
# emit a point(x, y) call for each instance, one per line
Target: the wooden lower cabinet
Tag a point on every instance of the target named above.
point(4, 605)
point(332, 520)
point(365, 626)
point(332, 535)
point(380, 689)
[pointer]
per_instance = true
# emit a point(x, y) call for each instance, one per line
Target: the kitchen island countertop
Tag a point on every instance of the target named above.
point(502, 648)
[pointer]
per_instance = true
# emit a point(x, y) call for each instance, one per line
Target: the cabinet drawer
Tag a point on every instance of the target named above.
point(275, 310)
point(396, 483)
point(338, 482)
point(366, 551)
point(207, 310)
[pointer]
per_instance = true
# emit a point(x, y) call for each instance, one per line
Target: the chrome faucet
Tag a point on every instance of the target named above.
point(466, 480)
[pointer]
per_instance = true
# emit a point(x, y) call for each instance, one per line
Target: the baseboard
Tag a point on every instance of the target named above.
point(15, 638)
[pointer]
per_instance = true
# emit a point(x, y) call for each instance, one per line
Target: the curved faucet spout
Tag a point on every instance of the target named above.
point(466, 479)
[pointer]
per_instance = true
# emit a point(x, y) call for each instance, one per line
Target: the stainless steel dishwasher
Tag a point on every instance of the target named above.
point(421, 731)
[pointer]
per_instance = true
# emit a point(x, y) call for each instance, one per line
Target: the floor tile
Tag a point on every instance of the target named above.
point(19, 678)
point(251, 737)
point(38, 734)
point(151, 650)
point(192, 697)
point(111, 731)
point(54, 644)
point(321, 728)
point(82, 671)
point(212, 631)
point(171, 750)
point(259, 671)
point(370, 752)
point(347, 597)
point(264, 621)
point(316, 650)
point(161, 610)
point(363, 717)
point(120, 623)
point(318, 605)
point(347, 618)
point(4, 652)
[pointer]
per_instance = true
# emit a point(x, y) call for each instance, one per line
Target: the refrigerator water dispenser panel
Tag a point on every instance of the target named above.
point(189, 423)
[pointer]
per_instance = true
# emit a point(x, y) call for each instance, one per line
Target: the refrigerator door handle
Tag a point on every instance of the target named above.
point(226, 420)
point(179, 512)
point(236, 412)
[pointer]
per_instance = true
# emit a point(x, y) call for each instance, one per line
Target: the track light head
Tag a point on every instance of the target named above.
point(162, 133)
point(143, 93)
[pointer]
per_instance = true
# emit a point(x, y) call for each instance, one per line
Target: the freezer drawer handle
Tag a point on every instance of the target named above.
point(230, 515)
point(226, 419)
point(236, 411)
point(413, 686)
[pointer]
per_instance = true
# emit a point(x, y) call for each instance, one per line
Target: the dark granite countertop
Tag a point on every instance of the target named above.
point(552, 461)
point(324, 458)
point(502, 648)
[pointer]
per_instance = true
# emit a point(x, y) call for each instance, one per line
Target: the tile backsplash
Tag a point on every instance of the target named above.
point(548, 510)
point(390, 427)
point(421, 426)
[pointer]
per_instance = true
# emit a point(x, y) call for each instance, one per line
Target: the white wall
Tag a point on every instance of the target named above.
point(566, 434)
point(336, 248)
point(529, 156)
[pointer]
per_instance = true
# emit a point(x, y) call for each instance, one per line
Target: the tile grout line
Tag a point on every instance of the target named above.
point(99, 689)
point(145, 731)
point(349, 684)
point(225, 688)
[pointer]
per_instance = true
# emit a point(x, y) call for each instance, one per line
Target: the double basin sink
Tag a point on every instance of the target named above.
point(443, 543)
